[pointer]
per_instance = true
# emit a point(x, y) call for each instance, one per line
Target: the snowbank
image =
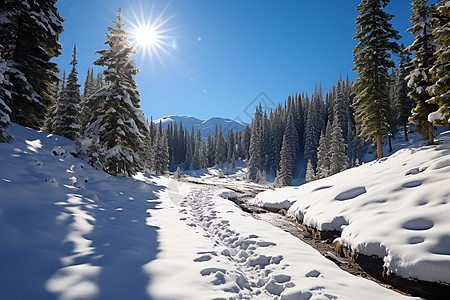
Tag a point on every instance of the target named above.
point(397, 209)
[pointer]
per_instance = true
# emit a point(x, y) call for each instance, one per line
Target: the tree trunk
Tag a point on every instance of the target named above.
point(406, 132)
point(379, 147)
point(430, 134)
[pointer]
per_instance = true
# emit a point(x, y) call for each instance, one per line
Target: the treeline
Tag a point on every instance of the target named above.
point(190, 151)
point(310, 137)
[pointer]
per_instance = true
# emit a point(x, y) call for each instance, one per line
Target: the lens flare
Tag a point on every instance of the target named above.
point(150, 33)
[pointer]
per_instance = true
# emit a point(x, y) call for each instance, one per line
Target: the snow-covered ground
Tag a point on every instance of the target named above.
point(397, 209)
point(68, 231)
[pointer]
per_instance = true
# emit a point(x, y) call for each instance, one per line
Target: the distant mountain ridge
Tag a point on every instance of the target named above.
point(206, 127)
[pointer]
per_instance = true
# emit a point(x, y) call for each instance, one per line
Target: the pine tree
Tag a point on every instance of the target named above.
point(341, 104)
point(29, 40)
point(198, 157)
point(420, 79)
point(402, 102)
point(178, 174)
point(323, 157)
point(190, 149)
point(117, 132)
point(230, 145)
point(286, 170)
point(5, 136)
point(67, 121)
point(372, 60)
point(338, 156)
point(440, 71)
point(255, 156)
point(245, 142)
point(220, 147)
point(310, 175)
point(160, 157)
point(312, 132)
point(53, 110)
point(89, 84)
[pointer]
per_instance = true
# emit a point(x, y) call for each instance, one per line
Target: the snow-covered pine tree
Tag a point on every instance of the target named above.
point(285, 172)
point(67, 122)
point(338, 156)
point(310, 175)
point(341, 104)
point(323, 157)
point(440, 90)
point(209, 151)
point(420, 79)
point(190, 149)
point(372, 60)
point(160, 157)
point(181, 144)
point(292, 135)
point(231, 146)
point(198, 157)
point(29, 37)
point(118, 128)
point(245, 141)
point(178, 174)
point(314, 124)
point(403, 103)
point(89, 84)
point(5, 136)
point(99, 81)
point(220, 147)
point(255, 156)
point(239, 151)
point(53, 110)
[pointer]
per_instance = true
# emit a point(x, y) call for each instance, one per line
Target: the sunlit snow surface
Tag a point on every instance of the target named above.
point(68, 231)
point(397, 208)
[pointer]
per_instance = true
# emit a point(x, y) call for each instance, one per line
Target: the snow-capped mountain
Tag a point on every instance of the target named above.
point(206, 126)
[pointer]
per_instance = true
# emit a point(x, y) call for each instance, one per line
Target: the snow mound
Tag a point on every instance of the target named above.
point(397, 209)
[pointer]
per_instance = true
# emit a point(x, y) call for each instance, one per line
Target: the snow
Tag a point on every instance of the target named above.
point(69, 231)
point(396, 208)
point(436, 116)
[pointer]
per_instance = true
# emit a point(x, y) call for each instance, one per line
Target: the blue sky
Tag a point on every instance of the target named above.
point(227, 52)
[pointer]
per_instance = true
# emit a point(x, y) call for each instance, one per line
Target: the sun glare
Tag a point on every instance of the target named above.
point(150, 33)
point(145, 36)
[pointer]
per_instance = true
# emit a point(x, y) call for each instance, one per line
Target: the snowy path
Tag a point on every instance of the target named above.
point(239, 257)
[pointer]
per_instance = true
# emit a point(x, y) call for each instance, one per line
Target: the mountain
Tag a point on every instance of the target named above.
point(206, 126)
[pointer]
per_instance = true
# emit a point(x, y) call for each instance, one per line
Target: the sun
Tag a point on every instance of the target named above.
point(145, 36)
point(150, 34)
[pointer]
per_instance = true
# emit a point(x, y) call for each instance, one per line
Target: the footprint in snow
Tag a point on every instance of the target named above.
point(265, 244)
point(209, 271)
point(413, 171)
point(412, 184)
point(418, 224)
point(313, 273)
point(203, 258)
point(416, 240)
point(351, 194)
point(281, 278)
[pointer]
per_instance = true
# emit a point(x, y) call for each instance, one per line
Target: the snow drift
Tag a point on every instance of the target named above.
point(396, 209)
